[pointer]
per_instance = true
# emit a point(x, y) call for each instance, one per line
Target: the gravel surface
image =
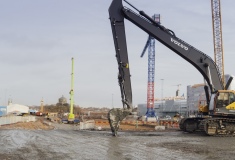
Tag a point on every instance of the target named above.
point(64, 142)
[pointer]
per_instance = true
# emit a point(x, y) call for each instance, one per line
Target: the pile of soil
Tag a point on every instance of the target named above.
point(37, 125)
point(104, 124)
point(129, 127)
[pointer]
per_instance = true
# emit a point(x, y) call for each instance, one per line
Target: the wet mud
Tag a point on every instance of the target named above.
point(75, 144)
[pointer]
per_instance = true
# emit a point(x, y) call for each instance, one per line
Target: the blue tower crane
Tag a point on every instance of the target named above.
point(150, 44)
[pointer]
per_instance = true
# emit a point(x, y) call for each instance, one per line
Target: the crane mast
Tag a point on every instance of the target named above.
point(151, 73)
point(178, 90)
point(150, 44)
point(217, 37)
point(71, 115)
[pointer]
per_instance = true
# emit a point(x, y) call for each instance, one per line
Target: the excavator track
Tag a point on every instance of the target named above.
point(220, 127)
point(190, 124)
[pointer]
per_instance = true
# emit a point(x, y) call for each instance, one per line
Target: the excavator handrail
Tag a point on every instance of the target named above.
point(155, 23)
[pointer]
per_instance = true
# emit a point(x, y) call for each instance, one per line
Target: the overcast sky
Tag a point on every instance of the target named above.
point(39, 38)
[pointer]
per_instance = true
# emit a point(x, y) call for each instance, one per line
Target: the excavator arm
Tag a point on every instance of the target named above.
point(203, 63)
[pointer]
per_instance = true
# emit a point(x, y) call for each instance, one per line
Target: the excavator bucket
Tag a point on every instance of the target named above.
point(115, 116)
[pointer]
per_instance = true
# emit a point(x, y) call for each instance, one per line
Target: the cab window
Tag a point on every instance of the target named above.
point(231, 97)
point(222, 100)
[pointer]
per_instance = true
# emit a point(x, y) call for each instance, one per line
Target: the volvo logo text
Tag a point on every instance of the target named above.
point(179, 44)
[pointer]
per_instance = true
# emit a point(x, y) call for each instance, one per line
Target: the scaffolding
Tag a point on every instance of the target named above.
point(150, 44)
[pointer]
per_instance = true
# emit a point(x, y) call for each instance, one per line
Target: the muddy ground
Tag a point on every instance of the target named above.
point(65, 142)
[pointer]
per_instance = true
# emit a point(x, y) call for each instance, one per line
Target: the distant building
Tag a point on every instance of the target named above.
point(13, 109)
point(62, 100)
point(3, 110)
point(172, 105)
point(33, 111)
point(17, 109)
point(166, 107)
point(195, 94)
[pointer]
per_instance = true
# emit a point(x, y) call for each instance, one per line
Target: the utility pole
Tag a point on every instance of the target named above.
point(162, 92)
point(6, 96)
point(112, 101)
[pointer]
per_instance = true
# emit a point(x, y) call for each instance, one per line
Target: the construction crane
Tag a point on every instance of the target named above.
point(217, 37)
point(178, 89)
point(150, 44)
point(71, 115)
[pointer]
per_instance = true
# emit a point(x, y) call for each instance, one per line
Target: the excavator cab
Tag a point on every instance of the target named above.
point(224, 102)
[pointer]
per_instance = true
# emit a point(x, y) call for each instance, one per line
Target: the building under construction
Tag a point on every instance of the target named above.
point(196, 95)
point(166, 107)
point(185, 106)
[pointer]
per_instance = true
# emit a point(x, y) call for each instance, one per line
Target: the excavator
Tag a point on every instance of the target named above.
point(217, 117)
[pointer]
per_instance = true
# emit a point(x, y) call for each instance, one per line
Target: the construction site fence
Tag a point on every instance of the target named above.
point(15, 119)
point(166, 123)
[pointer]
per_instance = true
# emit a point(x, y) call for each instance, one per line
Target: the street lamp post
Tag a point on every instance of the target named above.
point(112, 101)
point(162, 92)
point(6, 96)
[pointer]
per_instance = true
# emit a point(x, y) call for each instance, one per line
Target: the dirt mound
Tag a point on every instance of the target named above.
point(124, 127)
point(37, 125)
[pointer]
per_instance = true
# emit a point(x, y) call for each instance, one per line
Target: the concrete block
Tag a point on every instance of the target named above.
point(87, 125)
point(143, 118)
point(160, 128)
point(151, 119)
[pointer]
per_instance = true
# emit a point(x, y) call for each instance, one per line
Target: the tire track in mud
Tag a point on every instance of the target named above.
point(23, 144)
point(15, 138)
point(15, 143)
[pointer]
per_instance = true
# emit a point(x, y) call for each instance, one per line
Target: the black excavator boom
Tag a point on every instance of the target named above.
point(202, 62)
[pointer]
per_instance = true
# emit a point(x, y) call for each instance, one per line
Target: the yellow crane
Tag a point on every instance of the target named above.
point(71, 115)
point(217, 36)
